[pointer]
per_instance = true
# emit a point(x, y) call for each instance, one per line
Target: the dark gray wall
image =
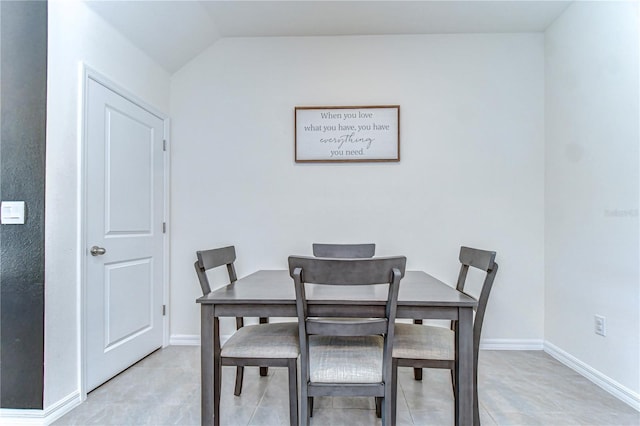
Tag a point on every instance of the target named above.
point(23, 72)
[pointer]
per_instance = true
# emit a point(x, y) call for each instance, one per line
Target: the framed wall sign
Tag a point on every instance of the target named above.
point(347, 133)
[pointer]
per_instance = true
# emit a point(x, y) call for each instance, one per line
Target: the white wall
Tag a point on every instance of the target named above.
point(77, 35)
point(472, 146)
point(592, 188)
point(472, 170)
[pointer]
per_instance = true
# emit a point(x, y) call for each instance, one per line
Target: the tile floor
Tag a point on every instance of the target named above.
point(516, 388)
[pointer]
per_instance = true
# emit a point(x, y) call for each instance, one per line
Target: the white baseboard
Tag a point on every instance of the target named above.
point(62, 407)
point(619, 391)
point(184, 340)
point(16, 417)
point(512, 344)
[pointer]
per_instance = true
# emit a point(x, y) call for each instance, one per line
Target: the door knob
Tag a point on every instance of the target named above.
point(97, 251)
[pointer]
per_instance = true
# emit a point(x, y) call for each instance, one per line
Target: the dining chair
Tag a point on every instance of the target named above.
point(261, 345)
point(353, 251)
point(425, 346)
point(347, 251)
point(346, 358)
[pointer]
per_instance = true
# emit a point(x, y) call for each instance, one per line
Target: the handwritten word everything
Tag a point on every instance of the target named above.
point(348, 138)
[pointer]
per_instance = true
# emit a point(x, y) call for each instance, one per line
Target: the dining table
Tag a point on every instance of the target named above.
point(271, 293)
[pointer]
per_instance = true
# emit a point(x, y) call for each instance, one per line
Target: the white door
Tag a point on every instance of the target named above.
point(124, 231)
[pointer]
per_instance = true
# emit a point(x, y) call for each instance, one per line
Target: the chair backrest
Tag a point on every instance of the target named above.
point(213, 258)
point(336, 272)
point(344, 251)
point(485, 261)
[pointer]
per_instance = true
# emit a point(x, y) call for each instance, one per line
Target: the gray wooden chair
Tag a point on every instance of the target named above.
point(353, 251)
point(347, 251)
point(346, 358)
point(423, 346)
point(261, 345)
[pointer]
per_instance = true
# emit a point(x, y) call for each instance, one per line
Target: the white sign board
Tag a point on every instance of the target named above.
point(346, 134)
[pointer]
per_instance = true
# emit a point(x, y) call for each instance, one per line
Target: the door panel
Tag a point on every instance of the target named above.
point(125, 199)
point(128, 288)
point(130, 171)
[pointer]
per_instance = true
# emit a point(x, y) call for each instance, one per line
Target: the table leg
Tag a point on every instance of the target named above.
point(207, 364)
point(464, 368)
point(217, 371)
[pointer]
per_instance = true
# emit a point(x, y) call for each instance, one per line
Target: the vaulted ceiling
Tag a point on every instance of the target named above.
point(174, 32)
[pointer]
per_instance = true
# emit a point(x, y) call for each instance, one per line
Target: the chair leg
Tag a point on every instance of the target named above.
point(305, 403)
point(390, 400)
point(239, 370)
point(476, 402)
point(293, 392)
point(378, 407)
point(239, 376)
point(417, 373)
point(217, 386)
point(264, 370)
point(384, 412)
point(394, 391)
point(476, 408)
point(453, 381)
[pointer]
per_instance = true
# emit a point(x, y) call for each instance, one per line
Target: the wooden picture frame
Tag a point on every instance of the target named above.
point(347, 134)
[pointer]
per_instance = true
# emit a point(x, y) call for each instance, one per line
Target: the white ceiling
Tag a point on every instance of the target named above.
point(174, 32)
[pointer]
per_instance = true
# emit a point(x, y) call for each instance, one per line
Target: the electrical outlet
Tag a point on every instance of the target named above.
point(600, 325)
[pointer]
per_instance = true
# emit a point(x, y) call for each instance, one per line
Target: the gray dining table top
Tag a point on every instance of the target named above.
point(417, 288)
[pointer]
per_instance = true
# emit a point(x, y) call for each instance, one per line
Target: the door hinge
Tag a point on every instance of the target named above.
point(164, 227)
point(164, 144)
point(164, 310)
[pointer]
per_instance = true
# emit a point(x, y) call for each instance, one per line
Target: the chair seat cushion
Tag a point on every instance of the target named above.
point(339, 359)
point(416, 341)
point(276, 340)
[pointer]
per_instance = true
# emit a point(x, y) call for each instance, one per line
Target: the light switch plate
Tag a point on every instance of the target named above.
point(12, 213)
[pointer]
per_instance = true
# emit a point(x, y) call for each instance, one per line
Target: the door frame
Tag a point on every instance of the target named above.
point(89, 73)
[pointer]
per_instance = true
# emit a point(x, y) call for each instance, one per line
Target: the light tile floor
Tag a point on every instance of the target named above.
point(516, 388)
